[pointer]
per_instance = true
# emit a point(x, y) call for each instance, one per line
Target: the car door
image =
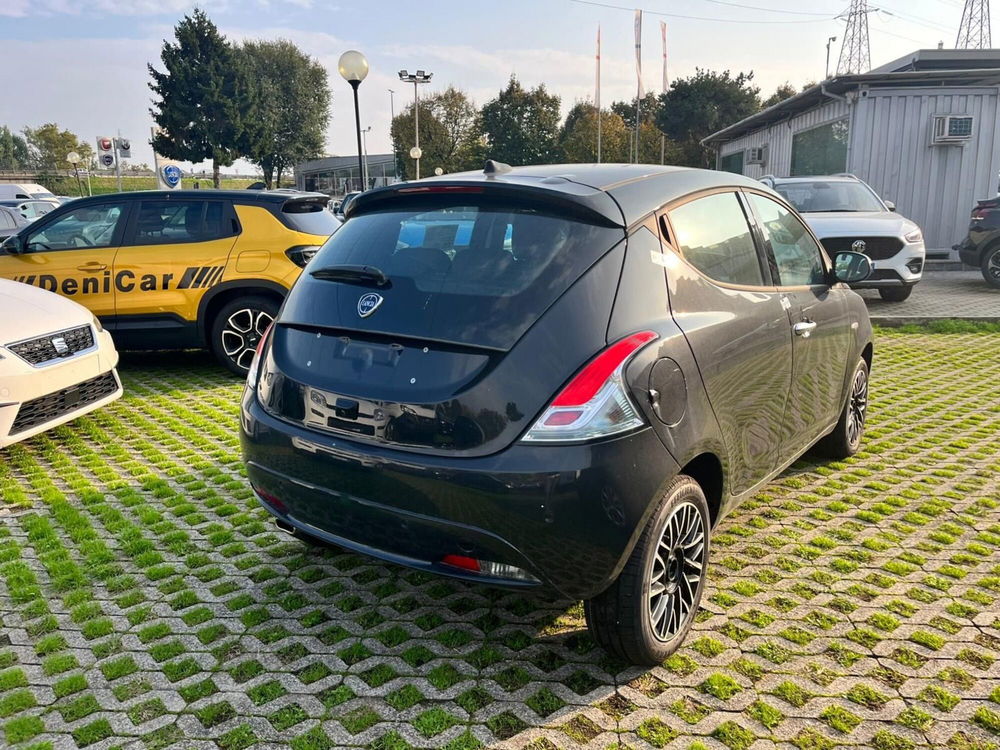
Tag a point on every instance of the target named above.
point(722, 298)
point(175, 249)
point(72, 254)
point(818, 316)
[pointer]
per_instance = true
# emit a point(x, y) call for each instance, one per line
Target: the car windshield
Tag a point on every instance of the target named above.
point(827, 196)
point(43, 196)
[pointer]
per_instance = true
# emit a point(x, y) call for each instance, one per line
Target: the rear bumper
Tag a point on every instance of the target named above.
point(566, 515)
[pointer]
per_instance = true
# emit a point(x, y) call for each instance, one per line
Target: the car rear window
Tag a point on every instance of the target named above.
point(310, 217)
point(472, 272)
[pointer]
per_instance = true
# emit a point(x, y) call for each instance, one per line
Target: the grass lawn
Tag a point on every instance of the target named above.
point(144, 596)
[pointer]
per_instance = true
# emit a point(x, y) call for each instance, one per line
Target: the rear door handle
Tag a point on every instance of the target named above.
point(803, 328)
point(93, 266)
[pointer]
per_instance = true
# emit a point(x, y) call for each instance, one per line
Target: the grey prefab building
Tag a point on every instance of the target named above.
point(922, 131)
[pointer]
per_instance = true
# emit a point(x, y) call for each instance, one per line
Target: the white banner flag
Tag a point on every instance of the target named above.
point(663, 33)
point(638, 51)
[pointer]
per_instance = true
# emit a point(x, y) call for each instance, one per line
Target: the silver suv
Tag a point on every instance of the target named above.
point(846, 214)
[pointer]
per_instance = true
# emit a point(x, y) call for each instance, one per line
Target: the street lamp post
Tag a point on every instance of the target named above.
point(364, 140)
point(354, 67)
point(421, 76)
point(826, 73)
point(74, 158)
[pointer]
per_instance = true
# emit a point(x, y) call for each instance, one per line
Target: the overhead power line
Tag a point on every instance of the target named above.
point(632, 9)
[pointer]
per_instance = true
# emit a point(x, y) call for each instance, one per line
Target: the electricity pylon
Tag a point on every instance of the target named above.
point(974, 33)
point(855, 53)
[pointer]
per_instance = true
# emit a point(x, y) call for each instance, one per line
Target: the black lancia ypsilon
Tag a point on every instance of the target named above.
point(556, 377)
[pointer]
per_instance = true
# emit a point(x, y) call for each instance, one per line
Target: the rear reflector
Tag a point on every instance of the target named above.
point(271, 500)
point(489, 569)
point(458, 561)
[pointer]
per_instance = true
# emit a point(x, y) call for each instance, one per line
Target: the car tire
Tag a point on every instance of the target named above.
point(237, 328)
point(631, 619)
point(990, 266)
point(845, 439)
point(895, 293)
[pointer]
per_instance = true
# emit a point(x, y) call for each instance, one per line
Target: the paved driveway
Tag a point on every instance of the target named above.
point(147, 602)
point(947, 294)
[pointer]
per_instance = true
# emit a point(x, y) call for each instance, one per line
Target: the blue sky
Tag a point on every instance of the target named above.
point(82, 63)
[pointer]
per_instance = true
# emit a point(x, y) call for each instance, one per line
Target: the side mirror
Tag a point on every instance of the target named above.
point(890, 205)
point(13, 245)
point(851, 268)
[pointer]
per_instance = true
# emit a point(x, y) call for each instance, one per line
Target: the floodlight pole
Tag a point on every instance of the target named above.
point(417, 78)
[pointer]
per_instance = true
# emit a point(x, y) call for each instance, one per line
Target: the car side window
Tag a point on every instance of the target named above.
point(797, 255)
point(6, 220)
point(175, 222)
point(86, 226)
point(712, 234)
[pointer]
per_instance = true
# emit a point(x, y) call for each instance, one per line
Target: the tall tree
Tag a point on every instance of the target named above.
point(48, 147)
point(522, 126)
point(13, 151)
point(291, 107)
point(202, 97)
point(648, 110)
point(784, 91)
point(435, 141)
point(697, 106)
point(578, 136)
point(450, 134)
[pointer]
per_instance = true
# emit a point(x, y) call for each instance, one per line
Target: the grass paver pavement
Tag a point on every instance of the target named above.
point(145, 601)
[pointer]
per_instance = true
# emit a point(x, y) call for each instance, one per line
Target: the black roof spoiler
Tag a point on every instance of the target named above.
point(558, 194)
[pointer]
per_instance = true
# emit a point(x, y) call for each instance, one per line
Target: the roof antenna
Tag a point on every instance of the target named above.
point(496, 167)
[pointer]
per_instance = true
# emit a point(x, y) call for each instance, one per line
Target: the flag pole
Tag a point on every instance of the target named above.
point(663, 136)
point(638, 73)
point(597, 96)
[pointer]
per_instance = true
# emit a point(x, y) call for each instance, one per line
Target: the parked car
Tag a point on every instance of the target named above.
point(56, 362)
point(175, 269)
point(981, 248)
point(846, 214)
point(340, 209)
point(28, 209)
point(10, 221)
point(27, 191)
point(571, 409)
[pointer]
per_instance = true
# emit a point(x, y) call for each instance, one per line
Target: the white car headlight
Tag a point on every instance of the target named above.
point(914, 237)
point(97, 325)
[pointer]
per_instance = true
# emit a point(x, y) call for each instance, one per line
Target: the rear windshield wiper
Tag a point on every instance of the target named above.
point(351, 274)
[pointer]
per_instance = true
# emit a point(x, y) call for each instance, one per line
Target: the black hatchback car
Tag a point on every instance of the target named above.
point(556, 377)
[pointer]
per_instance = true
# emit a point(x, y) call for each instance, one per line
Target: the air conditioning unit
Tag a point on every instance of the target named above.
point(757, 155)
point(951, 129)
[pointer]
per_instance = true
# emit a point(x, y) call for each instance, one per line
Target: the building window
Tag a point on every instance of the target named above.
point(732, 163)
point(821, 150)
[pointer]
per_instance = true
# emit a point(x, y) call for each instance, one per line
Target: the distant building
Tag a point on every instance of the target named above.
point(922, 131)
point(337, 175)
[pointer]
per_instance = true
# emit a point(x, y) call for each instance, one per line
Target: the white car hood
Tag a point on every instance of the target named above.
point(861, 224)
point(27, 311)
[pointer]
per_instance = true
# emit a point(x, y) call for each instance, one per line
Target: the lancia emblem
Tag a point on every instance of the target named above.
point(859, 246)
point(60, 345)
point(368, 304)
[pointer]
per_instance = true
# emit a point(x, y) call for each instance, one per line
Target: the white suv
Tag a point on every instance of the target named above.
point(846, 214)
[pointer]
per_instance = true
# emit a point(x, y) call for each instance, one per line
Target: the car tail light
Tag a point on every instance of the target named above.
point(595, 403)
point(300, 255)
point(254, 369)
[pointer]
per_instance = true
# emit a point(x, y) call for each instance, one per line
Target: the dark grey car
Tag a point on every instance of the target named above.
point(10, 221)
point(556, 377)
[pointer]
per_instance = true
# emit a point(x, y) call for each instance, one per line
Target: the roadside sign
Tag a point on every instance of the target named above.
point(124, 148)
point(107, 160)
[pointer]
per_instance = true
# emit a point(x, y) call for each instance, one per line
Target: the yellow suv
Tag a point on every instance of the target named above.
point(175, 269)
